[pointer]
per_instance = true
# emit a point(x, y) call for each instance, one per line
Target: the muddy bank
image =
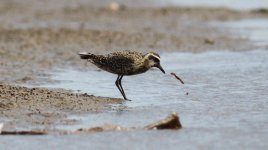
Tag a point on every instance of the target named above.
point(48, 35)
point(26, 107)
point(22, 50)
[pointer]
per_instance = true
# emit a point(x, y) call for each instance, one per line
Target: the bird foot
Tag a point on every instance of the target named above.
point(128, 99)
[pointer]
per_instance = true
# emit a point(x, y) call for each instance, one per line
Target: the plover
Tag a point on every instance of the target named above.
point(124, 63)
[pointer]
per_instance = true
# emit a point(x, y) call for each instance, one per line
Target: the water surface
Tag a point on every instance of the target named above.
point(225, 88)
point(226, 108)
point(233, 4)
point(255, 30)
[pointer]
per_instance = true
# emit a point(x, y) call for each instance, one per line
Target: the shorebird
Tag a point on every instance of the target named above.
point(124, 63)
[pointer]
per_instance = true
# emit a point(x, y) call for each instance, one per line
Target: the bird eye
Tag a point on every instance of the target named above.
point(151, 57)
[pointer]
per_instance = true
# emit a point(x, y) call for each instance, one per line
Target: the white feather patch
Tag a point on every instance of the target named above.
point(83, 53)
point(156, 56)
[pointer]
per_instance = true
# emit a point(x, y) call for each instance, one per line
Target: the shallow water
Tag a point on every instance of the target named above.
point(226, 108)
point(254, 29)
point(187, 138)
point(229, 85)
point(233, 4)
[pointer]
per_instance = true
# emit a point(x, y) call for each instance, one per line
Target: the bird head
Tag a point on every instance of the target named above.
point(153, 60)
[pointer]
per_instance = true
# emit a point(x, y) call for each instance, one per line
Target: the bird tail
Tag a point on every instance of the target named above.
point(85, 55)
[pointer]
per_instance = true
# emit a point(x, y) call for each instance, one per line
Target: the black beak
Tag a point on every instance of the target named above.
point(160, 67)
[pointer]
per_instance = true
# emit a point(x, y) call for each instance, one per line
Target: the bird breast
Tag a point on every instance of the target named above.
point(140, 67)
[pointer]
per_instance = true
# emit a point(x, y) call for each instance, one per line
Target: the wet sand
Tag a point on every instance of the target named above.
point(30, 108)
point(34, 40)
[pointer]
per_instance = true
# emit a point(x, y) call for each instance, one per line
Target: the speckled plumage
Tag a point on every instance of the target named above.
point(124, 63)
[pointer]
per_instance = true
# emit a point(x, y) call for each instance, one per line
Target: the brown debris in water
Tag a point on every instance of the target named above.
point(177, 77)
point(209, 41)
point(171, 122)
point(23, 133)
point(105, 127)
point(260, 11)
point(20, 132)
point(114, 6)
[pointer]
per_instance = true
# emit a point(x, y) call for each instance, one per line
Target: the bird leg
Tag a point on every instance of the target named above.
point(123, 93)
point(119, 86)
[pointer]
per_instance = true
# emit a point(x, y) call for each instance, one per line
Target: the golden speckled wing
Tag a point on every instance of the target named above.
point(123, 62)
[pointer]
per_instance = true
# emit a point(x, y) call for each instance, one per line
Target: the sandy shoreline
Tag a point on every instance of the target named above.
point(44, 107)
point(42, 38)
